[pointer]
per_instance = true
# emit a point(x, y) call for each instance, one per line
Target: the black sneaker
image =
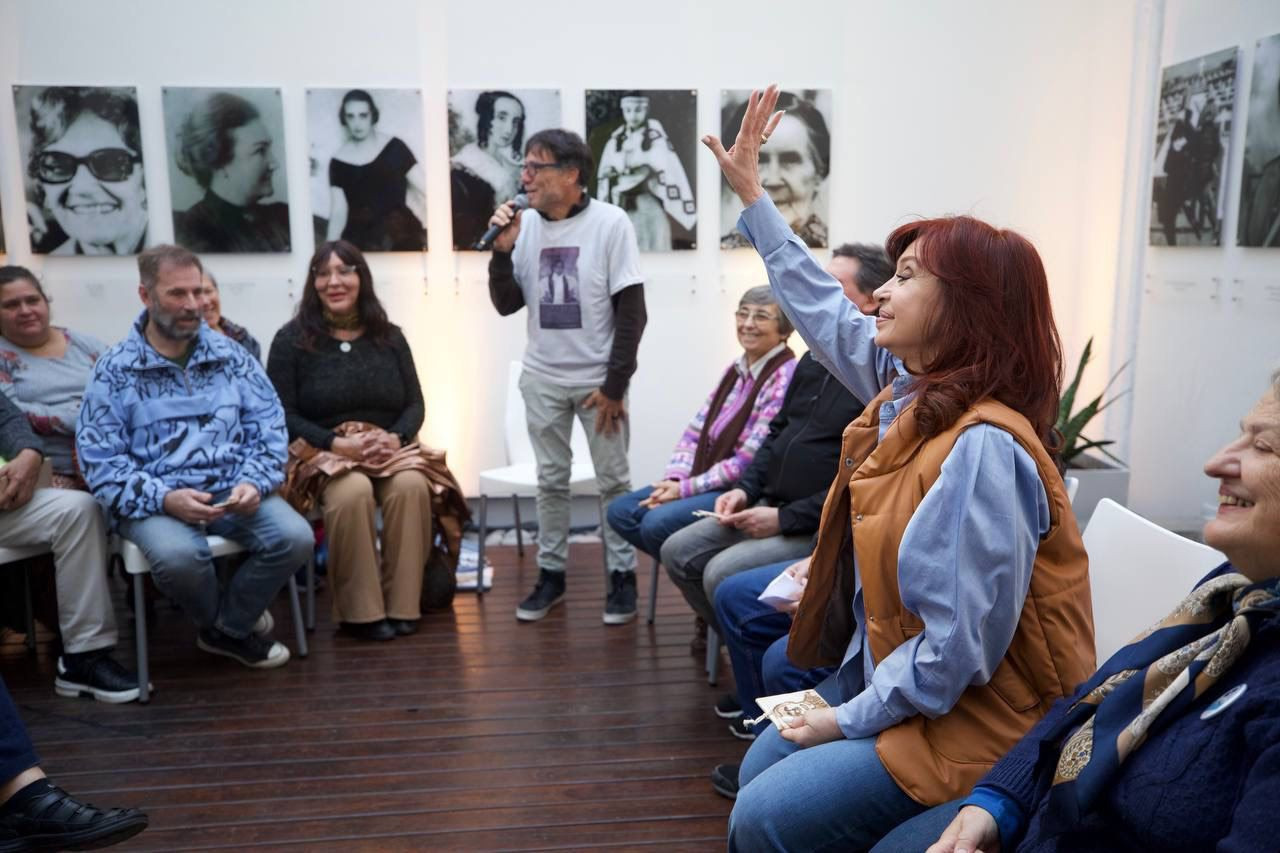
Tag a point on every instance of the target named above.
point(254, 650)
point(725, 780)
point(728, 707)
point(97, 675)
point(54, 820)
point(547, 593)
point(739, 728)
point(620, 603)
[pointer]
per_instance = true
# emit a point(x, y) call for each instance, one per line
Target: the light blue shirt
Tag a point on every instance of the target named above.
point(964, 564)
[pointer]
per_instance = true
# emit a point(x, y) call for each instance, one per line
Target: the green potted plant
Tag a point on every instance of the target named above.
point(1100, 472)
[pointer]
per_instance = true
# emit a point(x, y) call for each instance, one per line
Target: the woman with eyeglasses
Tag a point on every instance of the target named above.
point(352, 403)
point(723, 437)
point(86, 164)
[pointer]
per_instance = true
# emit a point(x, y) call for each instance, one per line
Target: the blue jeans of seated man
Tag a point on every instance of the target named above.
point(835, 796)
point(16, 752)
point(279, 542)
point(756, 636)
point(648, 528)
point(921, 831)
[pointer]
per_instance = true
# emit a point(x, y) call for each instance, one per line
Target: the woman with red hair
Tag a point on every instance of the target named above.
point(949, 584)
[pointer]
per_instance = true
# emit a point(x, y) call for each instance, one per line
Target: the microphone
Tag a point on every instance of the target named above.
point(520, 202)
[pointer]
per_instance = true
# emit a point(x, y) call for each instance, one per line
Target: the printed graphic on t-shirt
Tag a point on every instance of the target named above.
point(558, 304)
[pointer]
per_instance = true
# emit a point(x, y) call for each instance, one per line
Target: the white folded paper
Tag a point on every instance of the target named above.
point(781, 591)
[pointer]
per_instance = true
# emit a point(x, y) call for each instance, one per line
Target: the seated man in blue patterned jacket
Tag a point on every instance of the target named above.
point(180, 435)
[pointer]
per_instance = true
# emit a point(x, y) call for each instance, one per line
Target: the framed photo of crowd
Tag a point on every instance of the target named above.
point(644, 143)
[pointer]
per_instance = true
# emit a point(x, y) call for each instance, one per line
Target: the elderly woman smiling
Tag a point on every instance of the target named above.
point(1174, 743)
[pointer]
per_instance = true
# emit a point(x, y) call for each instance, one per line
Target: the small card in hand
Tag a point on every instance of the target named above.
point(783, 706)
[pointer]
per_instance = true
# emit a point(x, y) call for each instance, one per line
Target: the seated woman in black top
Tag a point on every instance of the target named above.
point(348, 384)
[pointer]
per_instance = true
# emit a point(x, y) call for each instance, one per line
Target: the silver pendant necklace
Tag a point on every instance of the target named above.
point(345, 346)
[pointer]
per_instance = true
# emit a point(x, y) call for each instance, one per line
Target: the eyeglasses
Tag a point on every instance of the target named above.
point(535, 168)
point(323, 275)
point(742, 315)
point(105, 164)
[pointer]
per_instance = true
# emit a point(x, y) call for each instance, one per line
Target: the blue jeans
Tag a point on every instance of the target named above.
point(279, 542)
point(16, 752)
point(835, 796)
point(756, 637)
point(647, 528)
point(921, 831)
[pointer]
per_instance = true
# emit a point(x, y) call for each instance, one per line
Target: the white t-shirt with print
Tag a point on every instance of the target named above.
point(569, 270)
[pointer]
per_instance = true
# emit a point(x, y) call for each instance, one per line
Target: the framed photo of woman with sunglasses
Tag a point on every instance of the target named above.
point(81, 149)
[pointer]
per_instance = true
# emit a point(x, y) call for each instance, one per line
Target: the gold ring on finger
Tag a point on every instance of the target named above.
point(763, 139)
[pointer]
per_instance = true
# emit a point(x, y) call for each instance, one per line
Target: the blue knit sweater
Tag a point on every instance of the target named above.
point(1196, 784)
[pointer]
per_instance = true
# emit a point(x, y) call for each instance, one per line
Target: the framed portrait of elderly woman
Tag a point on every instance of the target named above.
point(1193, 133)
point(487, 132)
point(644, 142)
point(794, 164)
point(368, 185)
point(226, 169)
point(81, 149)
point(1260, 186)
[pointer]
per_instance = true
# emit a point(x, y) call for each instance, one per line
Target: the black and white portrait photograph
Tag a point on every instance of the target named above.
point(1193, 133)
point(487, 131)
point(368, 148)
point(644, 143)
point(794, 164)
point(1260, 188)
point(81, 150)
point(226, 169)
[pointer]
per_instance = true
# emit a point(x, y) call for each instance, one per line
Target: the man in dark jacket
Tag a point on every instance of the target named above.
point(772, 513)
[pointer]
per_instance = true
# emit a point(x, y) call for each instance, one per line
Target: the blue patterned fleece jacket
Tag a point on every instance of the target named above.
point(147, 426)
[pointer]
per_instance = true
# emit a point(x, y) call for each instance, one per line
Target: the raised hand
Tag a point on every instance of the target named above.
point(741, 163)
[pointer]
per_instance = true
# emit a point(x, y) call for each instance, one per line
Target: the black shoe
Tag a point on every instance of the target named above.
point(380, 630)
point(97, 675)
point(254, 650)
point(725, 780)
point(739, 728)
point(55, 820)
point(728, 708)
point(547, 593)
point(403, 627)
point(620, 603)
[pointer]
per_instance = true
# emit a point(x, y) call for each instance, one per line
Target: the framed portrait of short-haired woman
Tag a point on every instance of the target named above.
point(487, 133)
point(795, 164)
point(1260, 187)
point(644, 142)
point(368, 182)
point(81, 149)
point(227, 170)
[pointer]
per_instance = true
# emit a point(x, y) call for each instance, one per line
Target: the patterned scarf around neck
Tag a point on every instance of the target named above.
point(1155, 677)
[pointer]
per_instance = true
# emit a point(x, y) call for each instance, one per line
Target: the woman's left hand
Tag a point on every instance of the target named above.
point(382, 447)
point(664, 491)
point(816, 727)
point(741, 163)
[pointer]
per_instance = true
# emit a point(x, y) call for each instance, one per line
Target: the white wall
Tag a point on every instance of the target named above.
point(1016, 112)
point(1209, 328)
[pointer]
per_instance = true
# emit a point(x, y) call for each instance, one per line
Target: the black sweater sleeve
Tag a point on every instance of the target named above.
point(504, 290)
point(802, 516)
point(16, 434)
point(282, 368)
point(410, 420)
point(629, 319)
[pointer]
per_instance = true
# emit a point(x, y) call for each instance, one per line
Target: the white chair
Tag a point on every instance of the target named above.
point(519, 477)
point(13, 555)
point(1073, 486)
point(136, 565)
point(1138, 571)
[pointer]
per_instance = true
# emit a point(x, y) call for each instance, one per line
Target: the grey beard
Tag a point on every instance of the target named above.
point(168, 327)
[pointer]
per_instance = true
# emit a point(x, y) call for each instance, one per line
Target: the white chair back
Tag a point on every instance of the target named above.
point(1073, 486)
point(1138, 572)
point(516, 429)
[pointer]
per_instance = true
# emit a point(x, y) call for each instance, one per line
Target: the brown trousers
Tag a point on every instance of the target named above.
point(363, 591)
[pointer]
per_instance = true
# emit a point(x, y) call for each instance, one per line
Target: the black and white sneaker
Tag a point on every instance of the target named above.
point(742, 730)
point(547, 593)
point(724, 778)
point(95, 674)
point(728, 707)
point(253, 651)
point(620, 603)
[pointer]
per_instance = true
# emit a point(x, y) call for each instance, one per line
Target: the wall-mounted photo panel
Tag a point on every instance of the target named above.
point(644, 143)
point(226, 169)
point(1260, 188)
point(487, 132)
point(794, 164)
point(81, 149)
point(2, 248)
point(368, 185)
point(1193, 133)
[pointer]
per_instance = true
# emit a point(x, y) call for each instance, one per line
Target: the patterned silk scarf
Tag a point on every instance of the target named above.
point(1156, 677)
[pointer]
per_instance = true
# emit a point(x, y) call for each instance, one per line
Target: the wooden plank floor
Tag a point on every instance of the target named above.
point(478, 733)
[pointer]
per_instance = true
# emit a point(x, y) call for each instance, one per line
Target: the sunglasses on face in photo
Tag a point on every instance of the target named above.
point(105, 164)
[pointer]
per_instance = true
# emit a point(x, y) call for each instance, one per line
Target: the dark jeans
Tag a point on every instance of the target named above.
point(647, 528)
point(756, 637)
point(16, 752)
